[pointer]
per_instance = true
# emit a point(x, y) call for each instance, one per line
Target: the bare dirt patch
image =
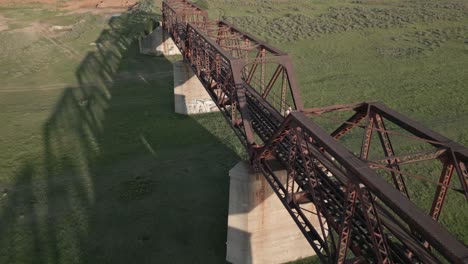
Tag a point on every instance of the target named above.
point(99, 6)
point(3, 23)
point(28, 1)
point(77, 4)
point(102, 3)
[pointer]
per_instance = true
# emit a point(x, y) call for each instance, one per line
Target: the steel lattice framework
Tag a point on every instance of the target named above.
point(362, 201)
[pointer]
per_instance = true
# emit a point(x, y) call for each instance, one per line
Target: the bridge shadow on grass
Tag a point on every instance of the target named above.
point(123, 179)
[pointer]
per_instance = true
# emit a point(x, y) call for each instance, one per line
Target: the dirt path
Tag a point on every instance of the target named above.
point(59, 86)
point(46, 32)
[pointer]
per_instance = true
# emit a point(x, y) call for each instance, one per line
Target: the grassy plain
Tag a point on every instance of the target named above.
point(96, 168)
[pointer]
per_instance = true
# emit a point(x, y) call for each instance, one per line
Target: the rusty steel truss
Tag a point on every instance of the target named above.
point(363, 204)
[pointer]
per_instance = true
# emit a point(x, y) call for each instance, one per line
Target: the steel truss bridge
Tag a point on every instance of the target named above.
point(363, 203)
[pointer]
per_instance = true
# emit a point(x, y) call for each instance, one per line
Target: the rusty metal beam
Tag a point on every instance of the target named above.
point(226, 60)
point(443, 241)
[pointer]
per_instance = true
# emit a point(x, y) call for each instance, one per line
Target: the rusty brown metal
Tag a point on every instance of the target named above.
point(389, 152)
point(441, 192)
point(358, 209)
point(345, 230)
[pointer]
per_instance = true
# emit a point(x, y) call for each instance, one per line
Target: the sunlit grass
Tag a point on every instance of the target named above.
point(96, 168)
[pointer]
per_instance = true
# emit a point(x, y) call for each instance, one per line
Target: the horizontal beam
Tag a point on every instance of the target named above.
point(333, 108)
point(419, 130)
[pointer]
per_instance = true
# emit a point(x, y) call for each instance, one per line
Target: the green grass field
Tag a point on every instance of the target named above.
point(96, 168)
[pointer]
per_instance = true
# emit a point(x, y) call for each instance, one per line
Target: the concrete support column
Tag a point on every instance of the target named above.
point(158, 43)
point(260, 230)
point(190, 96)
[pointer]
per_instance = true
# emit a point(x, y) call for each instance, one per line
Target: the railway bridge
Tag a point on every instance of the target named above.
point(364, 208)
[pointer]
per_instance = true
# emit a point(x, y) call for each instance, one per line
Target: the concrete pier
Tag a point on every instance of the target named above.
point(260, 230)
point(190, 97)
point(158, 43)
